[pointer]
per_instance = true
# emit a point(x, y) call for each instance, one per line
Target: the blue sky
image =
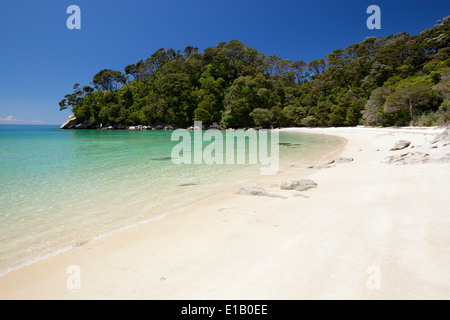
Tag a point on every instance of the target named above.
point(40, 59)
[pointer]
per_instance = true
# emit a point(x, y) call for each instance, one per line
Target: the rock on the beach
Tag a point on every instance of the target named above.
point(331, 164)
point(299, 185)
point(443, 137)
point(257, 191)
point(341, 160)
point(322, 166)
point(408, 158)
point(400, 145)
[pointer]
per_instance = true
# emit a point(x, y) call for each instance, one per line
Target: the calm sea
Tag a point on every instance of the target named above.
point(62, 188)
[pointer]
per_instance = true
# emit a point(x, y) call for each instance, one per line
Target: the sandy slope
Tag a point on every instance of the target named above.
point(370, 230)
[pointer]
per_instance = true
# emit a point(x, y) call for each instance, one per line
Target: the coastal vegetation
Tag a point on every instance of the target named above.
point(397, 80)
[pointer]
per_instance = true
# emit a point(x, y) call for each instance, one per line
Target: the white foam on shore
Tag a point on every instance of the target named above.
point(36, 259)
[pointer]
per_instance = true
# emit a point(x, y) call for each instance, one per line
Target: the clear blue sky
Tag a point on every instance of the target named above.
point(40, 59)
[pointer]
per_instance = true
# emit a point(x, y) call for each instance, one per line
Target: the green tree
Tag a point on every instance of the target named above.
point(262, 117)
point(414, 98)
point(109, 80)
point(380, 81)
point(373, 109)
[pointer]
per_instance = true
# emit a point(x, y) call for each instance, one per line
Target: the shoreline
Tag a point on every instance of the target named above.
point(212, 185)
point(315, 244)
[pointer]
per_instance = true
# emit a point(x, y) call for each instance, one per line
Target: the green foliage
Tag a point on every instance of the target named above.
point(373, 113)
point(415, 97)
point(262, 117)
point(385, 81)
point(445, 106)
point(427, 120)
point(109, 80)
point(438, 118)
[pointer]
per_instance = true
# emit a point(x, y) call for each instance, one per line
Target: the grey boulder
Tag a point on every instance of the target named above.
point(299, 185)
point(257, 191)
point(400, 145)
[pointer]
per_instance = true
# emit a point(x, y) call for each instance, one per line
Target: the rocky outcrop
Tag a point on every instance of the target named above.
point(85, 125)
point(408, 158)
point(256, 190)
point(76, 123)
point(299, 185)
point(438, 150)
point(400, 145)
point(214, 125)
point(441, 156)
point(70, 123)
point(194, 128)
point(443, 138)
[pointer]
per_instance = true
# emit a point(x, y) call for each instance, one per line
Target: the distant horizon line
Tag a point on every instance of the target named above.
point(30, 124)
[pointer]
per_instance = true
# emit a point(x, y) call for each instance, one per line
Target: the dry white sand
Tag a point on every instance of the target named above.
point(370, 230)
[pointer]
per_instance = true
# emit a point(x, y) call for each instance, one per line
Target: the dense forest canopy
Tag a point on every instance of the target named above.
point(398, 80)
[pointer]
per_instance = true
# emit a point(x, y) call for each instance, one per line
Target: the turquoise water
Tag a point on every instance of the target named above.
point(62, 188)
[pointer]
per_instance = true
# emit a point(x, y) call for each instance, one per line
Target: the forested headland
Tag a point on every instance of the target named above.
point(397, 80)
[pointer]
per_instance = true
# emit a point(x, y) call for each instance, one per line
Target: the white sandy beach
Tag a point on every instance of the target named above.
point(370, 230)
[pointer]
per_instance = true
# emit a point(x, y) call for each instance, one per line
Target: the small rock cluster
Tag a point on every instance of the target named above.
point(298, 185)
point(436, 151)
point(331, 164)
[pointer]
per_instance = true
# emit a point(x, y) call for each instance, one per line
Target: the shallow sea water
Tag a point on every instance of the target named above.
point(63, 188)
